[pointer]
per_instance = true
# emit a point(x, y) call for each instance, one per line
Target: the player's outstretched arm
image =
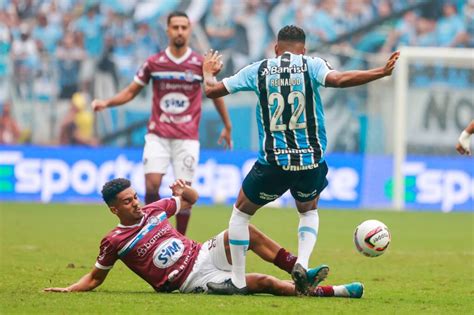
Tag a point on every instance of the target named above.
point(88, 282)
point(211, 66)
point(186, 193)
point(122, 97)
point(463, 142)
point(226, 133)
point(359, 77)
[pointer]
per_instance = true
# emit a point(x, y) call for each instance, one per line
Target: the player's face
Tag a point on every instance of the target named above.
point(127, 207)
point(179, 31)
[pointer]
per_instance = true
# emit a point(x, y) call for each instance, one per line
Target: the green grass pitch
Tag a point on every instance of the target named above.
point(427, 269)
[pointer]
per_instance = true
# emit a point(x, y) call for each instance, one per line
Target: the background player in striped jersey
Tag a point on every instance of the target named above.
point(173, 128)
point(148, 245)
point(292, 134)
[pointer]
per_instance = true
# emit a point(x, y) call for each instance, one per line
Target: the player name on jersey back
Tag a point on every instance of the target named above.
point(290, 115)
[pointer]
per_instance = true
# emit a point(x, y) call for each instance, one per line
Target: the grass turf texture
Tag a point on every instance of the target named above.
point(428, 267)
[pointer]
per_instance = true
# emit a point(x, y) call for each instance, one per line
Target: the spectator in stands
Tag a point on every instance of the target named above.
point(5, 47)
point(467, 36)
point(92, 27)
point(375, 39)
point(450, 27)
point(404, 33)
point(45, 34)
point(283, 13)
point(220, 25)
point(77, 128)
point(54, 14)
point(253, 17)
point(146, 40)
point(9, 130)
point(425, 33)
point(70, 56)
point(106, 79)
point(124, 56)
point(321, 25)
point(352, 18)
point(25, 61)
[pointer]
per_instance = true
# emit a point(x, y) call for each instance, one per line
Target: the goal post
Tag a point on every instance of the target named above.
point(449, 57)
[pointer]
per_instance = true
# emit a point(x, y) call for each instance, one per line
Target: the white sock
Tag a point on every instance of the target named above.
point(307, 235)
point(239, 244)
point(340, 290)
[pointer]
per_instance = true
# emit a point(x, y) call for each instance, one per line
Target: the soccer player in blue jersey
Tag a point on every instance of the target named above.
point(293, 142)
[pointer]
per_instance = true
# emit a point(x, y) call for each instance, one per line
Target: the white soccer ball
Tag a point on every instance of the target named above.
point(372, 238)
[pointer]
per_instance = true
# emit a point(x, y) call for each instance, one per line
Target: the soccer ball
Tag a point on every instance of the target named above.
point(371, 238)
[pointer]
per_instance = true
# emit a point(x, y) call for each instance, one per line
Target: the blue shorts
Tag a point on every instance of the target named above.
point(265, 183)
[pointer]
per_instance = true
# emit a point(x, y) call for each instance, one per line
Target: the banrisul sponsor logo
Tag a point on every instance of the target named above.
point(280, 70)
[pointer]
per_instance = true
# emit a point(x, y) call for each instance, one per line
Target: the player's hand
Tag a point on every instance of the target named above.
point(212, 62)
point(226, 138)
point(177, 188)
point(62, 290)
point(462, 150)
point(98, 105)
point(390, 65)
point(463, 143)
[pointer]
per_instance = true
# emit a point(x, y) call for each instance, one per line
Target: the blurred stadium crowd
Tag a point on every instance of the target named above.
point(51, 49)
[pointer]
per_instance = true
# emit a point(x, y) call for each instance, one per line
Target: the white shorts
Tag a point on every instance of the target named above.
point(211, 266)
point(159, 152)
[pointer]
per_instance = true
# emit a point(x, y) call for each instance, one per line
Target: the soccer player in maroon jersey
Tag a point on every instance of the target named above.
point(173, 127)
point(147, 244)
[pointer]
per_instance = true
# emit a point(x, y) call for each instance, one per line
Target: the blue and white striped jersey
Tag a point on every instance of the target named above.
point(290, 113)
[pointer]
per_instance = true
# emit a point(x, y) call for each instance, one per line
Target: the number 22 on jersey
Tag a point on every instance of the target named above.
point(276, 117)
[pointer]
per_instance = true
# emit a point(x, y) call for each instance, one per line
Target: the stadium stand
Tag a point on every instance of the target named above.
point(50, 49)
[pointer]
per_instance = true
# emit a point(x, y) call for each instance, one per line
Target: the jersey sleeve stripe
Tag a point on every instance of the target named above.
point(311, 117)
point(138, 81)
point(226, 84)
point(99, 266)
point(324, 79)
point(263, 95)
point(178, 204)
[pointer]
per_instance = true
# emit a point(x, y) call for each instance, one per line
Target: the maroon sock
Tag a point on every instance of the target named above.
point(284, 260)
point(182, 219)
point(323, 290)
point(151, 197)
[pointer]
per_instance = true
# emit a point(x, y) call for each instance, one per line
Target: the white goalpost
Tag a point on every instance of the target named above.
point(455, 57)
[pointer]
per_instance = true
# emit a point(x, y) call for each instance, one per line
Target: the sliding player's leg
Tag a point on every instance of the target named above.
point(261, 283)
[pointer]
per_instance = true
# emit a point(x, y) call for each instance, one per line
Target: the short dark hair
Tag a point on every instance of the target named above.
point(112, 188)
point(292, 33)
point(175, 14)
